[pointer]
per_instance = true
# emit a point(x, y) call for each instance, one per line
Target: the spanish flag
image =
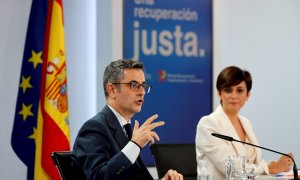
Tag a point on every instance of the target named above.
point(41, 123)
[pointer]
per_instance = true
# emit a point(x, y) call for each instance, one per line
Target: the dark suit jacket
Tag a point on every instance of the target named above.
point(97, 150)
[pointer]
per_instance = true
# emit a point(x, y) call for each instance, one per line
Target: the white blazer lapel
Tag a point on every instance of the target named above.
point(230, 131)
point(251, 137)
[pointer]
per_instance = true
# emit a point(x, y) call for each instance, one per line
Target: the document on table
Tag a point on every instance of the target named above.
point(280, 176)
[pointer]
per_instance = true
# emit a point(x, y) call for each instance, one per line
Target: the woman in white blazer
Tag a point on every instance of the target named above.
point(233, 85)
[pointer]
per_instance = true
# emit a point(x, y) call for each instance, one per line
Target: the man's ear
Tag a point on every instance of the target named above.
point(111, 90)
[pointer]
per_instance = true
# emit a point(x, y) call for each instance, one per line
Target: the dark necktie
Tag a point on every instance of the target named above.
point(128, 130)
point(139, 162)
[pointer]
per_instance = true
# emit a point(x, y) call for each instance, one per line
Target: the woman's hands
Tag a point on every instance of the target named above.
point(283, 164)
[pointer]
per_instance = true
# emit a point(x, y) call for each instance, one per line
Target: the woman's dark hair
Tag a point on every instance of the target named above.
point(231, 76)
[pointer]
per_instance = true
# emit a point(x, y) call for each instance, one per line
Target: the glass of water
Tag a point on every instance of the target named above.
point(250, 173)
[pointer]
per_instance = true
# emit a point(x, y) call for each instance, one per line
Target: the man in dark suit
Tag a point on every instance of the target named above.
point(105, 148)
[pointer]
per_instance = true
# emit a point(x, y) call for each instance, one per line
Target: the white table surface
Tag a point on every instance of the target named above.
point(282, 176)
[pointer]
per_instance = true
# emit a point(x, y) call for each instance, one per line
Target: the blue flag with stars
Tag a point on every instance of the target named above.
point(25, 123)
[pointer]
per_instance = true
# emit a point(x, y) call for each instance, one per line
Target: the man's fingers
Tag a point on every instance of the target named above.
point(154, 135)
point(151, 136)
point(150, 119)
point(136, 125)
point(151, 139)
point(173, 175)
point(154, 125)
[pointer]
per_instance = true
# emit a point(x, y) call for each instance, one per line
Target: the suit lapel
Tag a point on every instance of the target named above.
point(249, 132)
point(121, 139)
point(115, 127)
point(251, 137)
point(230, 131)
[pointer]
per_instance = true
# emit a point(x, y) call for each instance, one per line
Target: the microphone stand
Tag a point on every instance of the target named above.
point(228, 138)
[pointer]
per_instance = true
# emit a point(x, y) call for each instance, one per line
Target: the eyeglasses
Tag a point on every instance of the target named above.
point(135, 86)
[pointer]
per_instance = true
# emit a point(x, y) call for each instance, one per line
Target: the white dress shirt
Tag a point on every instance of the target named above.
point(131, 150)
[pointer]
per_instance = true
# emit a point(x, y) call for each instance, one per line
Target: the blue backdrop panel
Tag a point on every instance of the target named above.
point(174, 41)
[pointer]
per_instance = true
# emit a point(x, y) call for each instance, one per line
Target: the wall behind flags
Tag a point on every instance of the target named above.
point(261, 36)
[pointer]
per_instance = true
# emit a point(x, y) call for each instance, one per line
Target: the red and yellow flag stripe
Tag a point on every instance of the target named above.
point(53, 107)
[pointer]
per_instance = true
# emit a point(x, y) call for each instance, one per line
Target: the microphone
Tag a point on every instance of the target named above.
point(228, 138)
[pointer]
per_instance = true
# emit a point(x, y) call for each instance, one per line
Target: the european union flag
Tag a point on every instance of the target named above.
point(25, 124)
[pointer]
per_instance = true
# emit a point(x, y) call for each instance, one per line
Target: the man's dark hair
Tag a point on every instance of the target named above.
point(114, 72)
